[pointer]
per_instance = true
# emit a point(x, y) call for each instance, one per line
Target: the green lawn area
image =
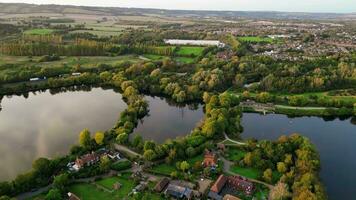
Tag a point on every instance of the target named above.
point(247, 172)
point(87, 191)
point(188, 51)
point(235, 154)
point(39, 31)
point(164, 169)
point(154, 57)
point(186, 60)
point(256, 39)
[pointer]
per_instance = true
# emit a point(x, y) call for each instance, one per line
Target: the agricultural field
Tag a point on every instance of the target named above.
point(256, 39)
point(40, 31)
point(190, 51)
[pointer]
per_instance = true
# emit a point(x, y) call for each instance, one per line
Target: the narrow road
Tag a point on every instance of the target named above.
point(29, 195)
point(125, 149)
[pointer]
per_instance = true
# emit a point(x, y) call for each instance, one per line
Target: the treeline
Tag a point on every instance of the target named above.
point(48, 38)
point(79, 48)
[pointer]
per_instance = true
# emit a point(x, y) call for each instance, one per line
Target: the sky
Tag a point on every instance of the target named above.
point(339, 6)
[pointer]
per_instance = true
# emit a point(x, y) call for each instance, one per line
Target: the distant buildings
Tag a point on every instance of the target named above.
point(195, 42)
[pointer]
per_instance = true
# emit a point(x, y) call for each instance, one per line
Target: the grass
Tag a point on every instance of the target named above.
point(166, 169)
point(154, 57)
point(100, 33)
point(256, 39)
point(247, 172)
point(188, 51)
point(39, 31)
point(86, 191)
point(185, 60)
point(235, 154)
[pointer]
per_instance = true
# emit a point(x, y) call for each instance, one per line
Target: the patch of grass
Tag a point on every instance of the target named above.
point(86, 191)
point(164, 169)
point(186, 60)
point(190, 51)
point(247, 172)
point(256, 39)
point(39, 31)
point(235, 154)
point(154, 57)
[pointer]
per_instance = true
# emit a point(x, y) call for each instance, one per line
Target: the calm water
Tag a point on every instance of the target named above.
point(168, 120)
point(48, 125)
point(335, 141)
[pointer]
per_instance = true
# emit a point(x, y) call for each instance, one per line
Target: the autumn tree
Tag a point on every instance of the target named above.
point(99, 138)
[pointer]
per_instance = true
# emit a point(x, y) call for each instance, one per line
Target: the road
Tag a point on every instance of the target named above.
point(233, 141)
point(125, 149)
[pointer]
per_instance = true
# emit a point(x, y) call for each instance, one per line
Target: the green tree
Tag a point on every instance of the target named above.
point(184, 166)
point(149, 155)
point(105, 164)
point(99, 138)
point(84, 138)
point(122, 138)
point(190, 151)
point(149, 145)
point(137, 140)
point(54, 194)
point(267, 175)
point(281, 167)
point(61, 181)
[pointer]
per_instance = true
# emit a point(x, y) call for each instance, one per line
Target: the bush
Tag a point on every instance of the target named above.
point(122, 165)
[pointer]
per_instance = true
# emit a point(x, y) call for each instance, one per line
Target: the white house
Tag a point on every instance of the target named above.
point(195, 42)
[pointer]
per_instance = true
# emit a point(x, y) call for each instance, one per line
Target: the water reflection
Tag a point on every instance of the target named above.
point(47, 123)
point(168, 119)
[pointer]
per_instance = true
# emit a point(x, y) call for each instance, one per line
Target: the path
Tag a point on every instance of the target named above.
point(303, 108)
point(125, 149)
point(233, 141)
point(227, 166)
point(29, 195)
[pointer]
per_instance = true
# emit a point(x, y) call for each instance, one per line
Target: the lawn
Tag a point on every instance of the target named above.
point(39, 31)
point(247, 172)
point(154, 57)
point(188, 51)
point(235, 154)
point(87, 191)
point(185, 60)
point(164, 169)
point(256, 39)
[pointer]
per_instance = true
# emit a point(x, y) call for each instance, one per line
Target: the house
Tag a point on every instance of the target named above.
point(219, 184)
point(140, 187)
point(214, 196)
point(161, 184)
point(35, 79)
point(241, 183)
point(86, 160)
point(72, 196)
point(210, 159)
point(76, 74)
point(230, 197)
point(233, 182)
point(179, 192)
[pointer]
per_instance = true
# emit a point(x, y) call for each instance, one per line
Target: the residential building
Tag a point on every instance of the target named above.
point(210, 159)
point(161, 184)
point(179, 192)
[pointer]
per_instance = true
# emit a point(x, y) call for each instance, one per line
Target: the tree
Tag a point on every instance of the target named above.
point(54, 194)
point(84, 138)
point(61, 181)
point(105, 164)
point(149, 145)
point(280, 192)
point(190, 151)
point(137, 140)
point(239, 80)
point(267, 175)
point(184, 166)
point(99, 138)
point(42, 168)
point(122, 138)
point(149, 155)
point(281, 167)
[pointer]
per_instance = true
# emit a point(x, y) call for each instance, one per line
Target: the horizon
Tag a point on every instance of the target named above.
point(159, 4)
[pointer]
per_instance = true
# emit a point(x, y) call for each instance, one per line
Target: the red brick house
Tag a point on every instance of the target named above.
point(210, 159)
point(234, 182)
point(86, 160)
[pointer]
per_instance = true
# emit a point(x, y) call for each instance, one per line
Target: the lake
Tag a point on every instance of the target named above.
point(44, 124)
point(167, 120)
point(335, 141)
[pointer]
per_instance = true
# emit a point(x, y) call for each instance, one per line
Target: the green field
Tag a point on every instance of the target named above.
point(235, 154)
point(86, 191)
point(256, 39)
point(185, 60)
point(166, 169)
point(247, 172)
point(189, 51)
point(39, 31)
